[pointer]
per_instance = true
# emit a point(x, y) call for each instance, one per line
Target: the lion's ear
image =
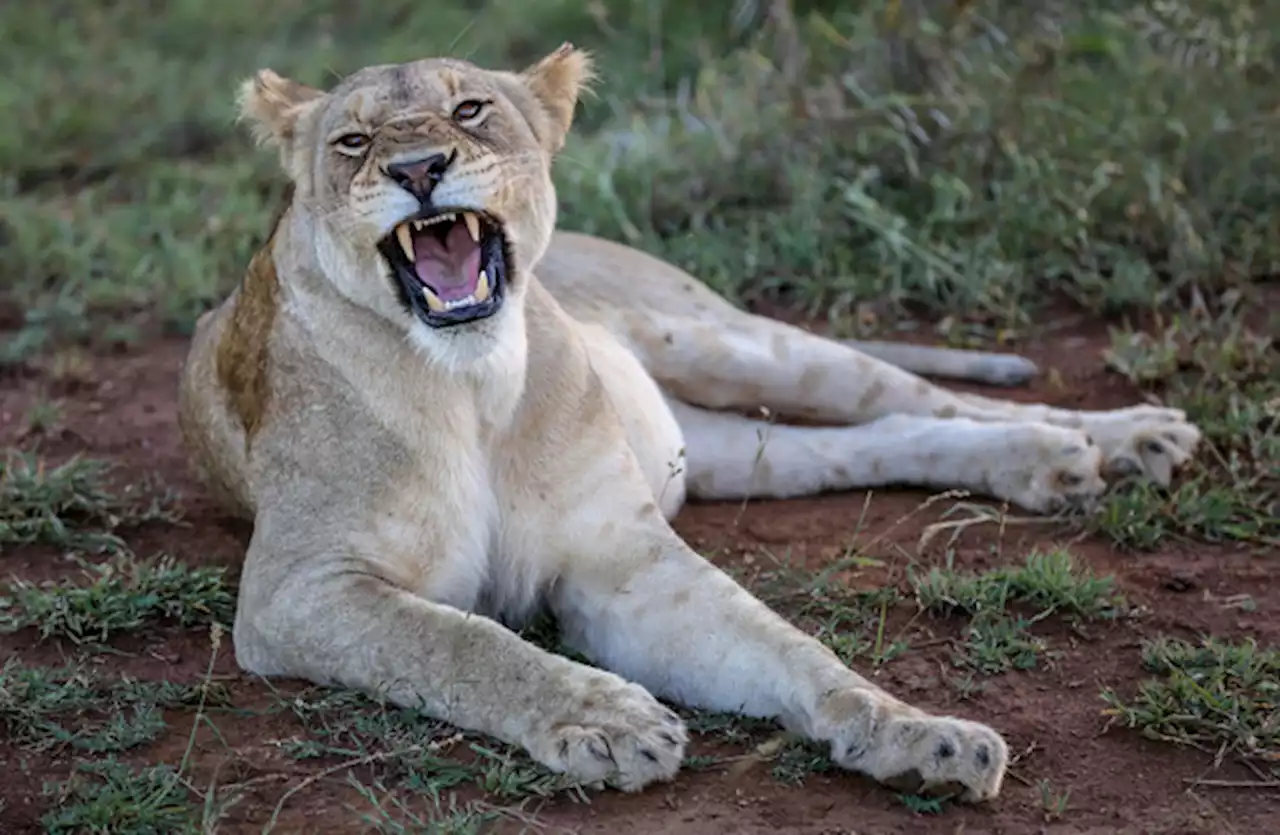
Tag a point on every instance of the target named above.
point(273, 104)
point(556, 82)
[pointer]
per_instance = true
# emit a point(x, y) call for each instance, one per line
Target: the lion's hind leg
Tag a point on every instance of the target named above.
point(1035, 465)
point(744, 362)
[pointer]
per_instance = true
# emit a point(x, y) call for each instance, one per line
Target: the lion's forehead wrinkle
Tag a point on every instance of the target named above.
point(414, 127)
point(363, 107)
point(407, 92)
point(450, 81)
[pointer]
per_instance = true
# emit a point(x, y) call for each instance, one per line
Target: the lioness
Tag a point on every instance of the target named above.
point(432, 443)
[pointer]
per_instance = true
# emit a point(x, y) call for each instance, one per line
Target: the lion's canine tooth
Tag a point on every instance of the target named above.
point(482, 287)
point(473, 226)
point(406, 240)
point(433, 301)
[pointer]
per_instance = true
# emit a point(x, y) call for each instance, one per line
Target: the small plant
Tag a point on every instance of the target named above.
point(800, 758)
point(996, 643)
point(1053, 802)
point(44, 416)
point(109, 796)
point(996, 637)
point(921, 805)
point(1048, 582)
point(412, 750)
point(393, 816)
point(122, 595)
point(1217, 696)
point(70, 505)
point(346, 723)
point(849, 621)
point(45, 707)
point(1227, 377)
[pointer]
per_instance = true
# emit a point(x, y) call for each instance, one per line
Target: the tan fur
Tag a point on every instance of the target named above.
point(242, 356)
point(416, 492)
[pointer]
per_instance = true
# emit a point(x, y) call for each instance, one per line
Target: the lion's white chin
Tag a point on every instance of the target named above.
point(470, 346)
point(491, 353)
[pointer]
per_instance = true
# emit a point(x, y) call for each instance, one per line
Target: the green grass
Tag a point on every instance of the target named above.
point(920, 805)
point(109, 796)
point(391, 815)
point(71, 505)
point(415, 751)
point(1226, 375)
point(43, 707)
point(1055, 803)
point(121, 596)
point(969, 165)
point(1217, 696)
point(852, 622)
point(1001, 606)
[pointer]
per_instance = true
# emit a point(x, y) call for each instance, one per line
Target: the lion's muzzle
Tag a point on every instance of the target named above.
point(450, 266)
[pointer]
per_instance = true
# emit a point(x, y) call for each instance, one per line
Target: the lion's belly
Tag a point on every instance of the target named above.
point(652, 430)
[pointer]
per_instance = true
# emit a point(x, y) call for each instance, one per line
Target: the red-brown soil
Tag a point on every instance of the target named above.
point(122, 408)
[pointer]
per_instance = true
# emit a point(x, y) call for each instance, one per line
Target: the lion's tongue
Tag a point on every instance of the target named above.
point(450, 268)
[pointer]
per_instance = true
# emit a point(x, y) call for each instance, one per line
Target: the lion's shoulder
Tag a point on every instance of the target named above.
point(241, 354)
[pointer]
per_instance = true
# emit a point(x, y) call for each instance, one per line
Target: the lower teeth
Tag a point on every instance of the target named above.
point(440, 305)
point(481, 294)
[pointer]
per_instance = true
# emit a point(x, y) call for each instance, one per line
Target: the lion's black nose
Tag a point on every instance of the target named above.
point(419, 177)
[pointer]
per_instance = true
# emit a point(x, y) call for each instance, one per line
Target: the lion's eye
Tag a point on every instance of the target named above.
point(352, 141)
point(469, 110)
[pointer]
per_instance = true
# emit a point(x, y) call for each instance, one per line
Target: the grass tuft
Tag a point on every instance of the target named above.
point(1048, 581)
point(71, 505)
point(109, 796)
point(1002, 605)
point(1216, 696)
point(1225, 373)
point(121, 596)
point(42, 708)
point(349, 725)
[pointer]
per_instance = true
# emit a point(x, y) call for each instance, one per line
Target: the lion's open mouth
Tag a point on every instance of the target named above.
point(450, 265)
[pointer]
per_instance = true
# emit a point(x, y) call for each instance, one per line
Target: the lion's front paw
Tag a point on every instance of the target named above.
point(919, 753)
point(615, 731)
point(1149, 441)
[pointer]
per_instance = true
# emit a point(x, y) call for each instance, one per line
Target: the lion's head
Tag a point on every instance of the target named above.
point(426, 185)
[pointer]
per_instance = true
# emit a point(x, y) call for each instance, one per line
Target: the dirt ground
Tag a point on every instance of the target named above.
point(122, 408)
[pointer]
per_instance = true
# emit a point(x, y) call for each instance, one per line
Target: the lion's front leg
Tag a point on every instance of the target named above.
point(647, 607)
point(335, 621)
